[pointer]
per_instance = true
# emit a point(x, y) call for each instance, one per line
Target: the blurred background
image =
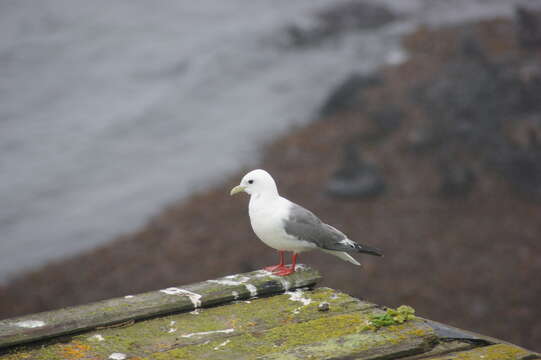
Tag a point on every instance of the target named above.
point(414, 126)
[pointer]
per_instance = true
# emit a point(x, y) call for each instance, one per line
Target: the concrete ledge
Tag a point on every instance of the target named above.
point(136, 307)
point(255, 315)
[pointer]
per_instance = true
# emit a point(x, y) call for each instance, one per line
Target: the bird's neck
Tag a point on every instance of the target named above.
point(266, 197)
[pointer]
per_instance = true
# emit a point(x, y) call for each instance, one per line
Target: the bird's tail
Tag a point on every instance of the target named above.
point(352, 246)
point(342, 255)
point(368, 250)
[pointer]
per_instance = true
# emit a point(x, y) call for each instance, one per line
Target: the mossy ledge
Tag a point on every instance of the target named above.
point(71, 320)
point(292, 324)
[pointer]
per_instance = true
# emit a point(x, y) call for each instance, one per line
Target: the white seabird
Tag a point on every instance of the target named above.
point(286, 226)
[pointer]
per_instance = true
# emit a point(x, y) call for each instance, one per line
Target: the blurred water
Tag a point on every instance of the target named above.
point(111, 109)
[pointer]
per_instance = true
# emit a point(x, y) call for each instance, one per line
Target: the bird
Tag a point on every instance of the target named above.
point(288, 227)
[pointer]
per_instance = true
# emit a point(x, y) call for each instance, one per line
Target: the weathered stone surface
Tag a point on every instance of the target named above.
point(175, 299)
point(448, 332)
point(494, 352)
point(287, 325)
point(442, 348)
point(264, 324)
point(392, 342)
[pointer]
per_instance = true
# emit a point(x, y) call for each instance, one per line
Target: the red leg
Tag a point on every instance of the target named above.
point(287, 271)
point(294, 261)
point(279, 266)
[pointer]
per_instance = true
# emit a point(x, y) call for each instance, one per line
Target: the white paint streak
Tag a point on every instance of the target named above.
point(96, 337)
point(128, 296)
point(285, 284)
point(297, 295)
point(262, 273)
point(252, 289)
point(228, 280)
point(241, 278)
point(117, 356)
point(222, 344)
point(30, 324)
point(235, 280)
point(171, 291)
point(226, 331)
point(172, 329)
point(194, 298)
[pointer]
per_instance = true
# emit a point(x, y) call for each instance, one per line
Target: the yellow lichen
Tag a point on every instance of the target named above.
point(75, 350)
point(330, 335)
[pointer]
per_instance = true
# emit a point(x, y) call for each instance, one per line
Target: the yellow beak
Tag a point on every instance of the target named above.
point(237, 189)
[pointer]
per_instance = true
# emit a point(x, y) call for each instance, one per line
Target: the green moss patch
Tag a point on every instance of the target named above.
point(391, 317)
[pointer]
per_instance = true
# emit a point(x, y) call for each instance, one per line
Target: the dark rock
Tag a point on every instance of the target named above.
point(471, 100)
point(474, 106)
point(332, 22)
point(423, 139)
point(348, 94)
point(524, 172)
point(355, 178)
point(521, 165)
point(324, 306)
point(529, 27)
point(355, 15)
point(457, 179)
point(471, 49)
point(530, 81)
point(469, 92)
point(385, 121)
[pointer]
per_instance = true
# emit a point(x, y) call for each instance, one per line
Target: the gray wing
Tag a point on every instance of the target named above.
point(304, 225)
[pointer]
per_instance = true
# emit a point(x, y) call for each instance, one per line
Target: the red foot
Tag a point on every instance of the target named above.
point(274, 268)
point(284, 271)
point(278, 267)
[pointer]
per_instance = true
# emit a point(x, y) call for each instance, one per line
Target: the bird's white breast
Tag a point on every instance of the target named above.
point(267, 219)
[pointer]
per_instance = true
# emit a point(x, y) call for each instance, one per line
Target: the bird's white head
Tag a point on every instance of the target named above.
point(256, 182)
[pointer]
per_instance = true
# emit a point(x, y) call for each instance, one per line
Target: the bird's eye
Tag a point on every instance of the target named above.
point(250, 181)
